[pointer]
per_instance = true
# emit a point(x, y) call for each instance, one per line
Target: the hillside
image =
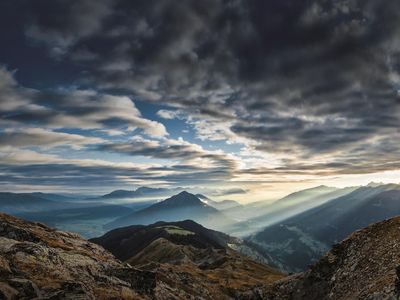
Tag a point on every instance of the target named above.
point(203, 255)
point(37, 262)
point(298, 241)
point(127, 242)
point(363, 266)
point(256, 216)
point(220, 205)
point(25, 202)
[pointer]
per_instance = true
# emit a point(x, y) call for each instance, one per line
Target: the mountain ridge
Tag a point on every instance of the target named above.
point(301, 239)
point(176, 208)
point(40, 262)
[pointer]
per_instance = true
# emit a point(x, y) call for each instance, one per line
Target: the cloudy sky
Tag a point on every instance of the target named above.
point(229, 95)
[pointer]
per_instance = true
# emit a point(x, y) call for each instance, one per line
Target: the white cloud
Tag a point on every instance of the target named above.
point(168, 114)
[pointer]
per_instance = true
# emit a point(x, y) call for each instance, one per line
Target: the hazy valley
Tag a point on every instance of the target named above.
point(289, 234)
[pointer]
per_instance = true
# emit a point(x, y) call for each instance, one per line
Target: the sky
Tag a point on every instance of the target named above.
point(248, 99)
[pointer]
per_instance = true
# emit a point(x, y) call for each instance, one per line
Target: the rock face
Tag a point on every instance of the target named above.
point(366, 265)
point(37, 262)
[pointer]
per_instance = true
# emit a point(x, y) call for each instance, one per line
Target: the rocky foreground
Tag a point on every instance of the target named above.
point(38, 262)
point(366, 265)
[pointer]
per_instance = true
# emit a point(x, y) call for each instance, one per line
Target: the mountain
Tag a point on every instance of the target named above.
point(127, 242)
point(292, 203)
point(226, 204)
point(298, 202)
point(363, 266)
point(179, 207)
point(85, 218)
point(141, 193)
point(254, 217)
point(220, 205)
point(53, 197)
point(200, 255)
point(28, 202)
point(87, 221)
point(38, 262)
point(203, 197)
point(302, 239)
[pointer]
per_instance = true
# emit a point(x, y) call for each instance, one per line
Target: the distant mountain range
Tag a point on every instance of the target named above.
point(142, 192)
point(256, 216)
point(84, 217)
point(300, 240)
point(221, 205)
point(289, 234)
point(32, 202)
point(176, 208)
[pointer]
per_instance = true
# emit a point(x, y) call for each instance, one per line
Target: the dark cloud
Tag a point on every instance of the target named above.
point(103, 177)
point(60, 24)
point(316, 83)
point(311, 74)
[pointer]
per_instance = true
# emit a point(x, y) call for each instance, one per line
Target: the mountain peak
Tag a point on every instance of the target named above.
point(375, 184)
point(185, 193)
point(179, 207)
point(184, 198)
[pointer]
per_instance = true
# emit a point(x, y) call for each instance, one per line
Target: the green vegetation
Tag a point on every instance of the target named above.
point(176, 230)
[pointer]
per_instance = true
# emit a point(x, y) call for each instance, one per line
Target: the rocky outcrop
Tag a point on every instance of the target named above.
point(366, 265)
point(38, 262)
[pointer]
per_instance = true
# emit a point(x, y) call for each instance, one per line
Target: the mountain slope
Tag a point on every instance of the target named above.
point(179, 207)
point(300, 240)
point(128, 241)
point(366, 265)
point(259, 215)
point(86, 221)
point(37, 262)
point(220, 205)
point(26, 202)
point(299, 202)
point(203, 255)
point(290, 204)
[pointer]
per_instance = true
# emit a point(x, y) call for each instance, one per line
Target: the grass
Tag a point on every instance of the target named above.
point(176, 230)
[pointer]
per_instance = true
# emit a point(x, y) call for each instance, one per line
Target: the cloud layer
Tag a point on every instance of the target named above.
point(307, 88)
